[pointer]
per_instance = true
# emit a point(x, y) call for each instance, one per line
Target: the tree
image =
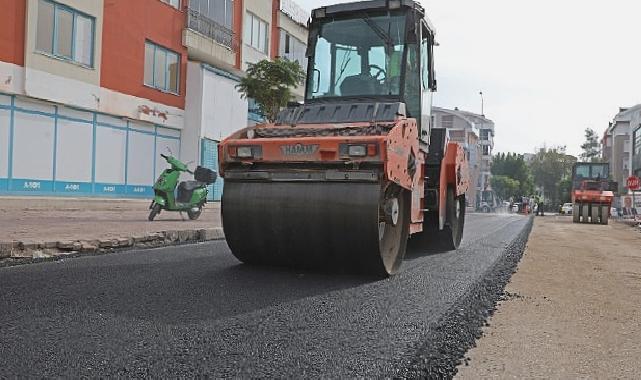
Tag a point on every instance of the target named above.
point(506, 187)
point(551, 168)
point(270, 84)
point(513, 165)
point(591, 147)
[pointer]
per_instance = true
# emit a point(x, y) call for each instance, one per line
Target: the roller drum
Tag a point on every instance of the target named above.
point(334, 226)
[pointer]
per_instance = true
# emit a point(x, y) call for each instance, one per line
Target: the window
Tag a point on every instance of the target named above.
point(162, 68)
point(425, 66)
point(292, 49)
point(359, 57)
point(637, 142)
point(173, 3)
point(486, 150)
point(256, 34)
point(65, 33)
point(485, 134)
point(220, 11)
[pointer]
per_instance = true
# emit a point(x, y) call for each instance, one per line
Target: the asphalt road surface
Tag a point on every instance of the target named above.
point(195, 310)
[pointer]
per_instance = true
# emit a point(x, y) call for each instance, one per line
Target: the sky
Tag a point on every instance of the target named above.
point(548, 69)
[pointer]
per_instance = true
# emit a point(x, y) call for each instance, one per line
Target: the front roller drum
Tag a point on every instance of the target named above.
point(335, 226)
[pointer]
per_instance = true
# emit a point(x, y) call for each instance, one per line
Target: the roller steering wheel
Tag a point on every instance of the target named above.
point(379, 71)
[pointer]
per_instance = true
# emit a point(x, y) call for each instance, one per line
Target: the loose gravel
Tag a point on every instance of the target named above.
point(458, 330)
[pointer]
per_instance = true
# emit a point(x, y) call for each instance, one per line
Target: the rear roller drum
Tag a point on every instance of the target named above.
point(449, 238)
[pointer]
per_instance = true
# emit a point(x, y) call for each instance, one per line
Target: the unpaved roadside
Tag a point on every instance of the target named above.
point(573, 309)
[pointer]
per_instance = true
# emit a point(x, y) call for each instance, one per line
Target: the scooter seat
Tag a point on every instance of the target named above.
point(186, 189)
point(191, 185)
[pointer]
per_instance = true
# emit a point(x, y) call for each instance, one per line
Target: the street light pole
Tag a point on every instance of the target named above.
point(482, 104)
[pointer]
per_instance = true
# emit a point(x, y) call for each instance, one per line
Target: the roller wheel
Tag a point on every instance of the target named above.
point(155, 210)
point(393, 230)
point(576, 213)
point(605, 214)
point(449, 238)
point(193, 215)
point(596, 218)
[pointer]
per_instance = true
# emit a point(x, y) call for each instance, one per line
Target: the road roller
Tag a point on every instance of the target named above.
point(592, 192)
point(342, 181)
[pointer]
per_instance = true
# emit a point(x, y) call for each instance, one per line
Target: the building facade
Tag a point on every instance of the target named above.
point(619, 145)
point(476, 134)
point(91, 92)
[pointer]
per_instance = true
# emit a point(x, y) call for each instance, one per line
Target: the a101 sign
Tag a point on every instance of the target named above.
point(634, 183)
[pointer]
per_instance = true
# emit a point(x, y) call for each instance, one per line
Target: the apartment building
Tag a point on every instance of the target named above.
point(476, 134)
point(92, 91)
point(619, 146)
point(223, 37)
point(89, 92)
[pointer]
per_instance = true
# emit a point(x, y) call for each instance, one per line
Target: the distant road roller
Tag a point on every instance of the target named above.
point(341, 182)
point(592, 193)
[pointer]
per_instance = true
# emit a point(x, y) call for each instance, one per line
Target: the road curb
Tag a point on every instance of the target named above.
point(54, 249)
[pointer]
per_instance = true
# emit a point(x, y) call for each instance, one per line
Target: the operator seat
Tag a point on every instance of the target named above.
point(361, 84)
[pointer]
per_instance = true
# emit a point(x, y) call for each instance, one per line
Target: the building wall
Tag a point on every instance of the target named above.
point(262, 9)
point(12, 31)
point(69, 129)
point(128, 24)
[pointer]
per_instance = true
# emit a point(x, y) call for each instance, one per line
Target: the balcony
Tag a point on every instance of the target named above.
point(210, 28)
point(210, 42)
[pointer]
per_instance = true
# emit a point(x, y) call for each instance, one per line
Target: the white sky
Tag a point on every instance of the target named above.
point(547, 68)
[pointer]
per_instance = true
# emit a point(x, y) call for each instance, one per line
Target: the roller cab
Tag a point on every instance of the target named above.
point(341, 182)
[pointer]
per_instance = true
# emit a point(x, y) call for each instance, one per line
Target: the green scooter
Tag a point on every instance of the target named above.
point(191, 195)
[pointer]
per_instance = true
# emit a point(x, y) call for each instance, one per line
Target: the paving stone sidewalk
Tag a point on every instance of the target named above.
point(33, 227)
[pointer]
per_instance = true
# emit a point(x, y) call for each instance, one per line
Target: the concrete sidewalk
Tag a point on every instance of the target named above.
point(42, 227)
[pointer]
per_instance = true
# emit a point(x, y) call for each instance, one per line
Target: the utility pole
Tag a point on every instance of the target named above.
point(482, 104)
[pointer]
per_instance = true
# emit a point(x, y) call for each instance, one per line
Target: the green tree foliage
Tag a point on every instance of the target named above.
point(591, 147)
point(506, 187)
point(552, 170)
point(513, 166)
point(270, 84)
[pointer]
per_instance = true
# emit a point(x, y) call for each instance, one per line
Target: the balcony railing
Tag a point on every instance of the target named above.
point(210, 28)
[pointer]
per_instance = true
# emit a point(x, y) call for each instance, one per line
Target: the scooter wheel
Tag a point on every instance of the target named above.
point(154, 211)
point(193, 215)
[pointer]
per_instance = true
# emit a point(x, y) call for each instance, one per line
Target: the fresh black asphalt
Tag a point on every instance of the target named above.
point(194, 310)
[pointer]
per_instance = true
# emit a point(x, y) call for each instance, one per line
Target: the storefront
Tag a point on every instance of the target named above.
point(48, 149)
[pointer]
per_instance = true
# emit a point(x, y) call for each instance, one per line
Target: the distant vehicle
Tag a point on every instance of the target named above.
point(488, 202)
point(592, 193)
point(516, 207)
point(566, 209)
